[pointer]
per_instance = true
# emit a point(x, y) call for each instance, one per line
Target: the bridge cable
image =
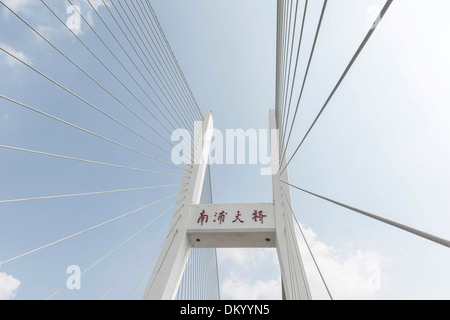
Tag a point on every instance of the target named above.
point(281, 23)
point(84, 100)
point(152, 74)
point(286, 24)
point(87, 194)
point(171, 59)
point(134, 64)
point(85, 160)
point(416, 232)
point(172, 101)
point(122, 65)
point(85, 230)
point(78, 67)
point(101, 62)
point(304, 79)
point(156, 255)
point(156, 40)
point(110, 252)
point(355, 56)
point(138, 256)
point(90, 132)
point(286, 117)
point(307, 245)
point(179, 97)
point(174, 58)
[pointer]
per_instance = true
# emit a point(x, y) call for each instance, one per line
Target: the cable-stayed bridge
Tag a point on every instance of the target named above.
point(126, 89)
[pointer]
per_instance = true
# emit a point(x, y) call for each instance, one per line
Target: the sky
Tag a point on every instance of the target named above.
point(381, 146)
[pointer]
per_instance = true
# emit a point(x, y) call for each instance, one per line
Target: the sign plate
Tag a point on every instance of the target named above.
point(232, 225)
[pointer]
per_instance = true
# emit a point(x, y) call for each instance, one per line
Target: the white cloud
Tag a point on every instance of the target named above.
point(70, 14)
point(349, 273)
point(45, 31)
point(18, 5)
point(10, 61)
point(251, 274)
point(235, 288)
point(98, 3)
point(8, 286)
point(246, 257)
point(21, 7)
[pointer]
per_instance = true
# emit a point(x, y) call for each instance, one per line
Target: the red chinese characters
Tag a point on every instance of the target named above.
point(203, 218)
point(258, 215)
point(238, 217)
point(220, 217)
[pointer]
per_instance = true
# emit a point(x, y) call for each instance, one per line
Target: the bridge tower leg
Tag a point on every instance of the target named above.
point(189, 228)
point(169, 268)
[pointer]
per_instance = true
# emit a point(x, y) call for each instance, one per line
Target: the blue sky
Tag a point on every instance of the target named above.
point(381, 146)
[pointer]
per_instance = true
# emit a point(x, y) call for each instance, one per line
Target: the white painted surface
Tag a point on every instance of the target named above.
point(169, 268)
point(219, 227)
point(240, 225)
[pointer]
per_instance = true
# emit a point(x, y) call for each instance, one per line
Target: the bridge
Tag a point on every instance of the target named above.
point(108, 155)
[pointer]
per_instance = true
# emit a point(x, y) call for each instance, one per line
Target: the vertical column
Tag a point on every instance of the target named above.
point(169, 268)
point(295, 285)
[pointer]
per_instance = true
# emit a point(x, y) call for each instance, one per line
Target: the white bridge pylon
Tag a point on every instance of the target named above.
point(250, 225)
